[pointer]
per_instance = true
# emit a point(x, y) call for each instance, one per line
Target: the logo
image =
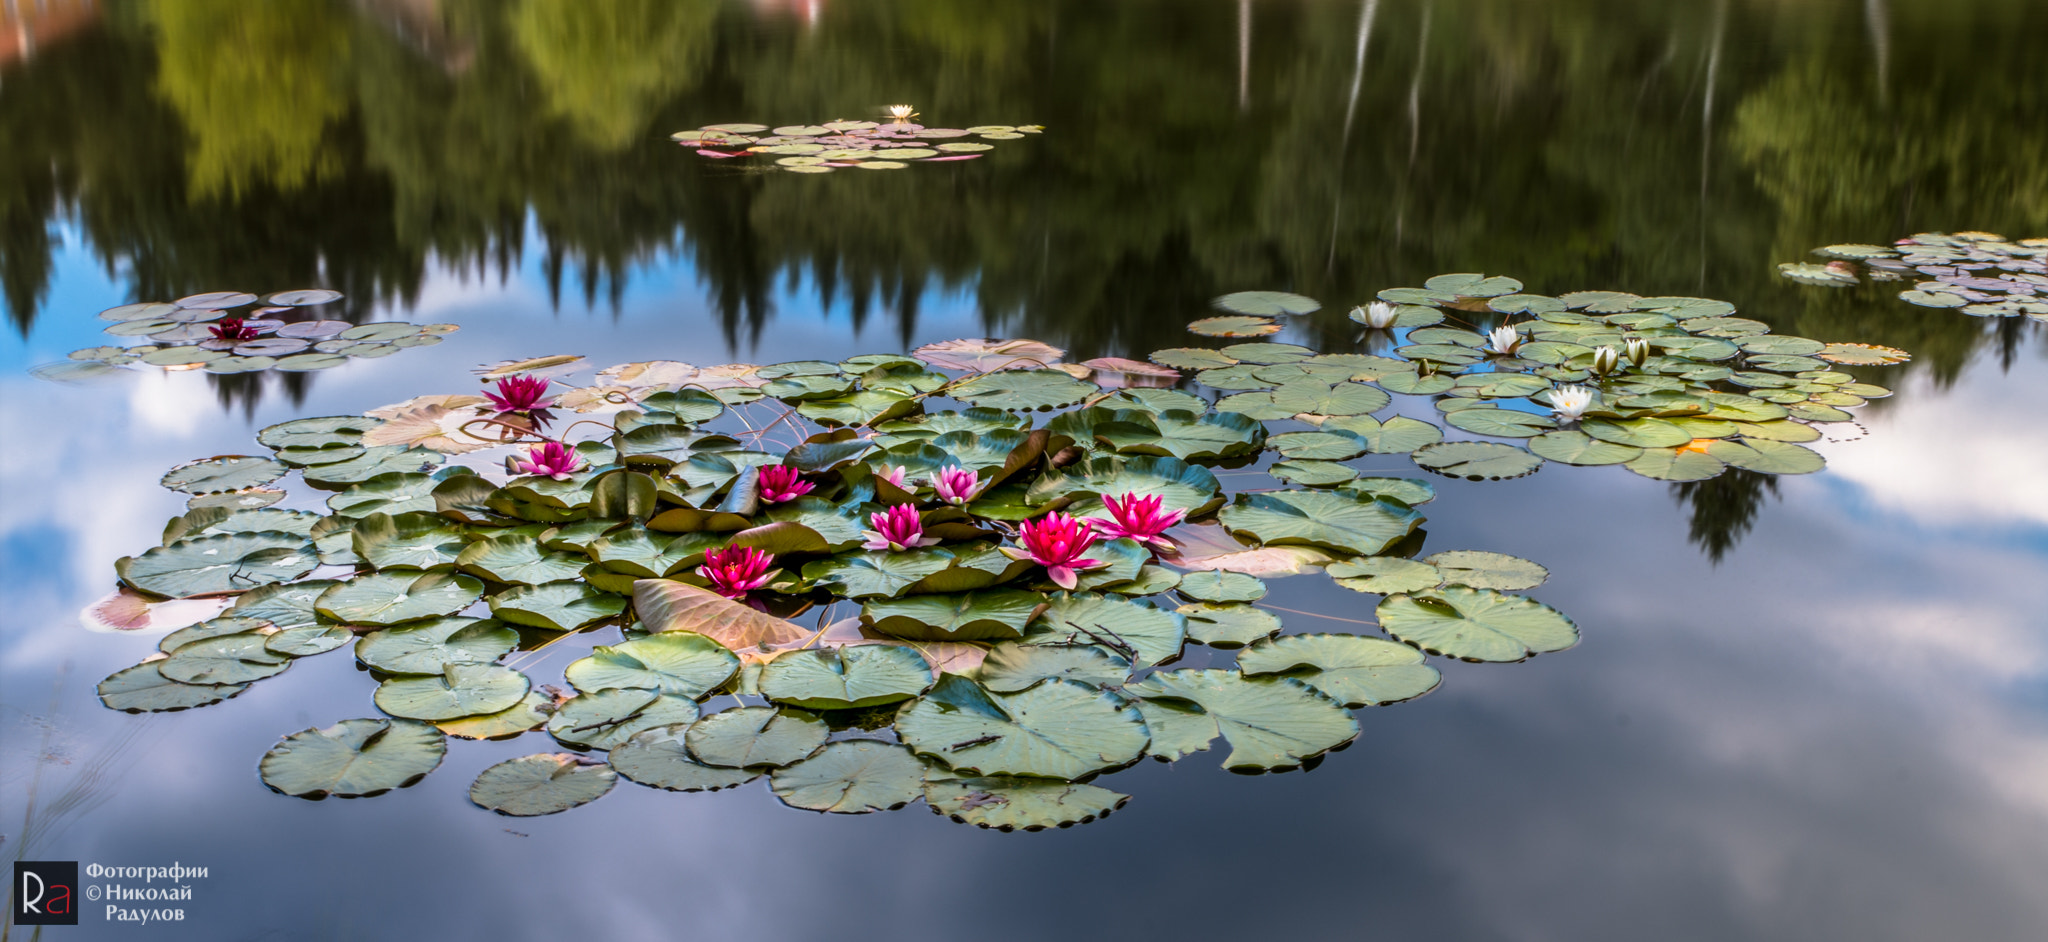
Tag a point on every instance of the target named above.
point(45, 892)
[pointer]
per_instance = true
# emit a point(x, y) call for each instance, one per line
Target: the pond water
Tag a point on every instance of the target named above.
point(1810, 706)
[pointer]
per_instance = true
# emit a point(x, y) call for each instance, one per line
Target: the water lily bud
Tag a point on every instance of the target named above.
point(1605, 359)
point(1637, 350)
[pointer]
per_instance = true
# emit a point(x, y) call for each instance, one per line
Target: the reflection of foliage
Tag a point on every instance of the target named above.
point(606, 67)
point(1015, 648)
point(1724, 508)
point(257, 88)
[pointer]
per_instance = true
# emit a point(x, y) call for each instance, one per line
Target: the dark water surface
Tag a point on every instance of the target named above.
point(1810, 709)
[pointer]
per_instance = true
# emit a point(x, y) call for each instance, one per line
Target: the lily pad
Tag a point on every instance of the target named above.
point(1767, 457)
point(1227, 625)
point(429, 647)
point(1141, 632)
point(1012, 666)
point(1578, 448)
point(853, 776)
point(1272, 723)
point(1385, 575)
point(1010, 803)
point(1330, 520)
point(1234, 326)
point(682, 663)
point(1676, 464)
point(660, 758)
point(144, 689)
point(215, 475)
point(1217, 585)
point(458, 690)
point(353, 758)
point(227, 659)
point(1055, 729)
point(218, 563)
point(397, 597)
point(1397, 435)
point(1477, 461)
point(1354, 671)
point(526, 715)
point(605, 719)
point(970, 616)
point(1266, 303)
point(1477, 624)
point(846, 678)
point(1023, 389)
point(756, 737)
point(556, 606)
point(1476, 569)
point(544, 784)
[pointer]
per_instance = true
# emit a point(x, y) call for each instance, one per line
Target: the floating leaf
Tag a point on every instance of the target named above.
point(1476, 624)
point(660, 758)
point(756, 737)
point(1057, 729)
point(1013, 666)
point(1022, 389)
point(604, 719)
point(983, 356)
point(1272, 724)
point(1009, 803)
point(1217, 585)
point(144, 689)
point(526, 715)
point(237, 658)
point(1578, 448)
point(353, 758)
point(1234, 326)
point(665, 605)
point(846, 677)
point(854, 776)
point(226, 562)
point(215, 475)
point(1863, 354)
point(1767, 457)
point(556, 606)
point(1676, 464)
point(1141, 632)
point(1352, 670)
point(682, 663)
point(430, 647)
point(1228, 624)
point(397, 597)
point(1266, 303)
point(1477, 461)
point(1477, 569)
point(458, 690)
point(1385, 575)
point(1397, 435)
point(542, 784)
point(1333, 521)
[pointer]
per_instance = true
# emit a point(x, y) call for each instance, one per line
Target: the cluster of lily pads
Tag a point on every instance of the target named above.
point(1982, 273)
point(871, 581)
point(1673, 388)
point(209, 332)
point(835, 145)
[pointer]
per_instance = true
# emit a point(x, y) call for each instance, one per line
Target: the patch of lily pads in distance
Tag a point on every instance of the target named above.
point(1676, 389)
point(1982, 273)
point(841, 144)
point(998, 602)
point(206, 332)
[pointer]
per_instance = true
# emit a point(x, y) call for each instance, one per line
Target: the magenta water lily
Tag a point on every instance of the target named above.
point(897, 528)
point(233, 328)
point(736, 570)
point(957, 485)
point(552, 459)
point(520, 394)
point(1140, 518)
point(781, 483)
point(1056, 541)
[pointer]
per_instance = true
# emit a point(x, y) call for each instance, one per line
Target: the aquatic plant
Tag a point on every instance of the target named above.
point(898, 528)
point(837, 145)
point(200, 333)
point(1981, 273)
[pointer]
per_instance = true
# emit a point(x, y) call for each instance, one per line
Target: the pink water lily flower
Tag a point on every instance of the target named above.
point(736, 570)
point(895, 475)
point(1056, 541)
point(1139, 518)
point(780, 482)
point(957, 485)
point(520, 394)
point(897, 528)
point(232, 328)
point(553, 459)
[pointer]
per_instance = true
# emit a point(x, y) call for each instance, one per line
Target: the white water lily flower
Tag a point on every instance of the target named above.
point(1379, 316)
point(1570, 402)
point(1504, 340)
point(901, 112)
point(1637, 350)
point(1605, 359)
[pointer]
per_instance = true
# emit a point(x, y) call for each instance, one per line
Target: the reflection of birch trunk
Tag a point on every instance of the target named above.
point(1707, 126)
point(1367, 12)
point(1414, 120)
point(1877, 16)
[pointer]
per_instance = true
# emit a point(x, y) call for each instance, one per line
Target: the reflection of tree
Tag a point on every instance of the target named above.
point(606, 67)
point(1724, 508)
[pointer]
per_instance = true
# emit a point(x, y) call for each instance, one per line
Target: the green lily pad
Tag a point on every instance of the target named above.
point(1476, 569)
point(429, 647)
point(1354, 671)
point(1234, 326)
point(970, 616)
point(1477, 461)
point(1768, 457)
point(846, 678)
point(1217, 585)
point(459, 690)
point(756, 737)
point(1055, 729)
point(1141, 632)
point(1019, 390)
point(397, 597)
point(682, 663)
point(383, 459)
point(1641, 433)
point(605, 719)
point(1578, 448)
point(1272, 723)
point(660, 758)
point(544, 784)
point(308, 641)
point(353, 758)
point(1417, 384)
point(1192, 358)
point(144, 689)
point(1397, 435)
point(1013, 666)
point(853, 776)
point(1384, 575)
point(211, 628)
point(526, 715)
point(1329, 520)
point(408, 541)
point(1228, 624)
point(1410, 491)
point(877, 573)
point(284, 605)
point(396, 493)
point(228, 659)
point(1500, 423)
point(1477, 624)
point(518, 560)
point(1676, 464)
point(556, 606)
point(1313, 473)
point(1467, 285)
point(226, 562)
point(1319, 446)
point(1010, 803)
point(215, 475)
point(1266, 303)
